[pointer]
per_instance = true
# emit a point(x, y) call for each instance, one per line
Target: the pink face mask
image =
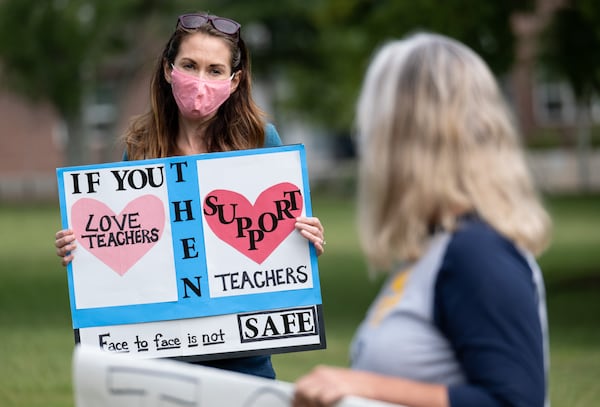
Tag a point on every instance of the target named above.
point(196, 97)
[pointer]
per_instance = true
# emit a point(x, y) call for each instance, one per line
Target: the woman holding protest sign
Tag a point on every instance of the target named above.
point(201, 102)
point(447, 204)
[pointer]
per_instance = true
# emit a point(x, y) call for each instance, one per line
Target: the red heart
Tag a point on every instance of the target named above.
point(254, 230)
point(142, 220)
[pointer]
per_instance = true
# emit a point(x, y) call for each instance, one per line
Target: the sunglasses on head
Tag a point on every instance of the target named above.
point(221, 24)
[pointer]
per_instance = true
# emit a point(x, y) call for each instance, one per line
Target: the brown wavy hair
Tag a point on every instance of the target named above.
point(239, 123)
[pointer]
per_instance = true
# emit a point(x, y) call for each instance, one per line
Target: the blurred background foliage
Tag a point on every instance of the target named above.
point(55, 49)
point(311, 53)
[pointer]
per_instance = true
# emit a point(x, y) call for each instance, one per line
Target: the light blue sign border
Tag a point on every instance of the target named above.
point(194, 306)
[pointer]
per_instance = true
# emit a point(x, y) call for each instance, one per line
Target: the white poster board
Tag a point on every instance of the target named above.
point(101, 380)
point(193, 257)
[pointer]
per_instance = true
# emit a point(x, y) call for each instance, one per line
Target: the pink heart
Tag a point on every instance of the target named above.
point(118, 240)
point(254, 230)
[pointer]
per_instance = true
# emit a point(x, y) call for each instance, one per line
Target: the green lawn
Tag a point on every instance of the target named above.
point(35, 326)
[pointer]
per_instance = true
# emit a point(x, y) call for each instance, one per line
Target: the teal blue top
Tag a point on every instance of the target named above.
point(272, 139)
point(254, 365)
point(271, 136)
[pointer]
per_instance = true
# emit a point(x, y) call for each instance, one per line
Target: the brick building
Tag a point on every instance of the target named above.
point(30, 148)
point(33, 140)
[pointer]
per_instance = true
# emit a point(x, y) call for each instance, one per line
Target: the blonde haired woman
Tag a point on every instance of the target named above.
point(447, 205)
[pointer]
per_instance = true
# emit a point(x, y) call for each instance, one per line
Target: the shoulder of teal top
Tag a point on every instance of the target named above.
point(272, 139)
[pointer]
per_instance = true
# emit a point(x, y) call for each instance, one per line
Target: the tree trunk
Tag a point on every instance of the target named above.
point(77, 153)
point(583, 145)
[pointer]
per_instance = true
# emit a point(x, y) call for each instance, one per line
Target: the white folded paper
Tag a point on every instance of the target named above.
point(102, 379)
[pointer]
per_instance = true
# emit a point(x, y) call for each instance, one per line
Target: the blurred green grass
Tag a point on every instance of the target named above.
point(37, 339)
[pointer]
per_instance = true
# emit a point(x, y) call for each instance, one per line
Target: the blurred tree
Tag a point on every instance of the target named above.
point(55, 51)
point(312, 52)
point(569, 51)
point(323, 46)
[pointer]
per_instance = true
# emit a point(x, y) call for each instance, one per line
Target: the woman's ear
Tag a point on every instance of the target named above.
point(237, 77)
point(167, 69)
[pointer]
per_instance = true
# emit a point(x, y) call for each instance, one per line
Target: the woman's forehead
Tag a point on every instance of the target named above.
point(205, 47)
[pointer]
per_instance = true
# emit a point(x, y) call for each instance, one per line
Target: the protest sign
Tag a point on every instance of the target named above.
point(193, 257)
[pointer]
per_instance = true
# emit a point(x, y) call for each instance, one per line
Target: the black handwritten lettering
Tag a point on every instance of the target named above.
point(139, 178)
point(121, 347)
point(277, 324)
point(179, 165)
point(162, 343)
point(179, 210)
point(189, 248)
point(92, 178)
point(122, 238)
point(142, 345)
point(214, 338)
point(188, 284)
point(245, 280)
point(254, 230)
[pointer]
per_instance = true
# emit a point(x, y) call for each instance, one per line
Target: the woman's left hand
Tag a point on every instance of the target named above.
point(312, 230)
point(326, 385)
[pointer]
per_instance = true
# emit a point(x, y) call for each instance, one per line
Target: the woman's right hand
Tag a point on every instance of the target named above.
point(65, 244)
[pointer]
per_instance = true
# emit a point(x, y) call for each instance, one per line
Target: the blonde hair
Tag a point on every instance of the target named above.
point(436, 141)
